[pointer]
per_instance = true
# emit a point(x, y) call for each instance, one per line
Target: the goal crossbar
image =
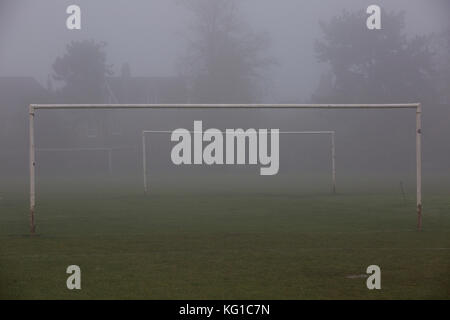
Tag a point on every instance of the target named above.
point(331, 133)
point(226, 106)
point(416, 106)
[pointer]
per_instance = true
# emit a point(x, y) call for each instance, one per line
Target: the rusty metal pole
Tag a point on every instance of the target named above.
point(419, 165)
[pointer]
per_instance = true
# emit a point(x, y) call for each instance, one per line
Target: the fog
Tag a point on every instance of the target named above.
point(150, 34)
point(264, 51)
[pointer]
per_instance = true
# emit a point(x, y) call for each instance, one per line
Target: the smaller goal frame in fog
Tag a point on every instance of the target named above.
point(33, 108)
point(330, 133)
point(109, 152)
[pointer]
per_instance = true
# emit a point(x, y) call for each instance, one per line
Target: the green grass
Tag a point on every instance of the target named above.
point(223, 246)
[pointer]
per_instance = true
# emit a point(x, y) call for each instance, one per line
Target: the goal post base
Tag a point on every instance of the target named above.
point(419, 217)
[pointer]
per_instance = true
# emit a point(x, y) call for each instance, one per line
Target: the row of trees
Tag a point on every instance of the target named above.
point(225, 60)
point(386, 66)
point(381, 66)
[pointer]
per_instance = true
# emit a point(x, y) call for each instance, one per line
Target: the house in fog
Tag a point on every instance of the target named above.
point(120, 127)
point(86, 129)
point(16, 93)
point(127, 89)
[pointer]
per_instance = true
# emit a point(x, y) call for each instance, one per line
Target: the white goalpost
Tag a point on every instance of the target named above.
point(33, 108)
point(328, 133)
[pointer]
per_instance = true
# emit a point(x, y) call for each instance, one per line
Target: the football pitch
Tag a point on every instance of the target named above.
point(232, 245)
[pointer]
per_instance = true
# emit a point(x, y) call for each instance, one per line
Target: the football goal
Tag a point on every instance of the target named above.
point(165, 132)
point(33, 108)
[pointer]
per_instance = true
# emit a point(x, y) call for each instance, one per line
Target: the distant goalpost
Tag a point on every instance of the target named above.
point(415, 106)
point(329, 133)
point(109, 152)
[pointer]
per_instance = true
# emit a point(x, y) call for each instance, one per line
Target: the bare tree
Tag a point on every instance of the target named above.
point(225, 59)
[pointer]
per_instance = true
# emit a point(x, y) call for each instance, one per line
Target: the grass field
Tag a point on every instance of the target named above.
point(223, 245)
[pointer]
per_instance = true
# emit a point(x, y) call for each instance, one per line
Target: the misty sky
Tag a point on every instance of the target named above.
point(149, 34)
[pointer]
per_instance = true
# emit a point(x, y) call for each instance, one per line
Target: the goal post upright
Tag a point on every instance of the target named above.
point(32, 170)
point(333, 161)
point(331, 133)
point(34, 107)
point(419, 165)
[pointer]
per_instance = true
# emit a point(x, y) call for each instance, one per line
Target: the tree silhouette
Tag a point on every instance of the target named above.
point(225, 58)
point(83, 71)
point(374, 65)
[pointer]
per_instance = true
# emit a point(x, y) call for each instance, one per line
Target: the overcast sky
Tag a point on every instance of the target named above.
point(149, 34)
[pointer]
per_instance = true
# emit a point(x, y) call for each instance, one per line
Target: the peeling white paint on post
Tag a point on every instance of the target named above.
point(419, 165)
